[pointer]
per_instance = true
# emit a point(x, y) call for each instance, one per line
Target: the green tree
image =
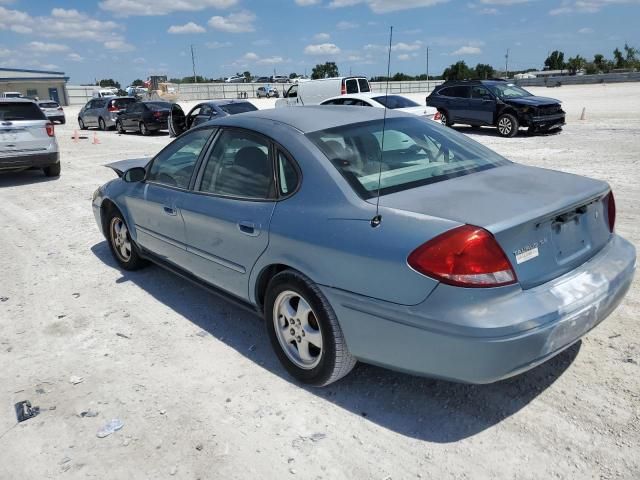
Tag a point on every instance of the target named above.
point(247, 76)
point(109, 82)
point(138, 83)
point(293, 75)
point(457, 71)
point(555, 61)
point(484, 71)
point(326, 70)
point(619, 59)
point(575, 64)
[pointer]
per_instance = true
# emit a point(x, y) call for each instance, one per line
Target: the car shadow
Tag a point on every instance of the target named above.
point(493, 132)
point(24, 177)
point(422, 408)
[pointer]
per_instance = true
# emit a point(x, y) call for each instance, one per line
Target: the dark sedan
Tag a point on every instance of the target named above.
point(205, 111)
point(144, 117)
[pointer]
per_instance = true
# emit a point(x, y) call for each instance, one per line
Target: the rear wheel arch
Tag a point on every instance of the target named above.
point(263, 279)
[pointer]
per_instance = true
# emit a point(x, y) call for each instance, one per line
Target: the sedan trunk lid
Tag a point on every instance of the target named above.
point(547, 222)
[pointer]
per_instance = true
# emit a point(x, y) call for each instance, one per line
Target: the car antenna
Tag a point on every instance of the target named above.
point(375, 221)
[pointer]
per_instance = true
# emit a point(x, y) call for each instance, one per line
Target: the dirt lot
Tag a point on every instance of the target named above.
point(202, 395)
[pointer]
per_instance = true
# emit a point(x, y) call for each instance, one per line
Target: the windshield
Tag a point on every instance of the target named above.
point(395, 101)
point(508, 90)
point(48, 105)
point(415, 153)
point(233, 108)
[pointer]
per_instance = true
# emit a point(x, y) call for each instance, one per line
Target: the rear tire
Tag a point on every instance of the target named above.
point(123, 249)
point(101, 124)
point(144, 130)
point(507, 125)
point(444, 118)
point(304, 330)
point(63, 121)
point(120, 128)
point(52, 170)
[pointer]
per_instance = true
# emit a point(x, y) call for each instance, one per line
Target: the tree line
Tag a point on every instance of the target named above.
point(627, 60)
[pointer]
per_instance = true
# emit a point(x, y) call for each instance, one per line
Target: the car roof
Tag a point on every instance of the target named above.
point(46, 101)
point(223, 102)
point(17, 99)
point(361, 96)
point(310, 118)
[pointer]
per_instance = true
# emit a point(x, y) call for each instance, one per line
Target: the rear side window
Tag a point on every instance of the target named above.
point(233, 108)
point(459, 92)
point(364, 85)
point(287, 175)
point(352, 85)
point(122, 102)
point(20, 111)
point(155, 106)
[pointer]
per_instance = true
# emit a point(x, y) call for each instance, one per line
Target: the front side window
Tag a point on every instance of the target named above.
point(240, 165)
point(508, 90)
point(174, 165)
point(480, 92)
point(411, 153)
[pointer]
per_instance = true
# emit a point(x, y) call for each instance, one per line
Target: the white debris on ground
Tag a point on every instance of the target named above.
point(201, 393)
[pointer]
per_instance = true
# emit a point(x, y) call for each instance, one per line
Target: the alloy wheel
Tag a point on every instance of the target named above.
point(120, 239)
point(297, 329)
point(505, 126)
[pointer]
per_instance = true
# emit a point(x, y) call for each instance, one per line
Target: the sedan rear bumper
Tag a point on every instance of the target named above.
point(485, 335)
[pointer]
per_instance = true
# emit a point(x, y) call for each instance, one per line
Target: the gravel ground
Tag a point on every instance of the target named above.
point(202, 395)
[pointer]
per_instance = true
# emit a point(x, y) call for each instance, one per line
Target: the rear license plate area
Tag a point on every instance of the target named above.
point(569, 239)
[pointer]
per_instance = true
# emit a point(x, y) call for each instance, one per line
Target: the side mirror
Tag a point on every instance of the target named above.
point(135, 174)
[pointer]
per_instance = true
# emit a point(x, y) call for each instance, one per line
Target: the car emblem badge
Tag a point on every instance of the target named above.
point(529, 252)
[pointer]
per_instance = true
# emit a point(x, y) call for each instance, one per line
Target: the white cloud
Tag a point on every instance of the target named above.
point(239, 22)
point(407, 47)
point(321, 37)
point(119, 45)
point(344, 25)
point(467, 50)
point(250, 57)
point(322, 49)
point(504, 2)
point(270, 60)
point(125, 8)
point(41, 47)
point(404, 56)
point(215, 45)
point(385, 6)
point(589, 6)
point(190, 27)
point(5, 52)
point(306, 3)
point(585, 30)
point(74, 57)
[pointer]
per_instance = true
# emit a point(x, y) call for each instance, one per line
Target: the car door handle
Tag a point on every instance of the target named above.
point(169, 210)
point(248, 228)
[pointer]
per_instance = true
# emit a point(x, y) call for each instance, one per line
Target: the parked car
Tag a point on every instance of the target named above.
point(380, 100)
point(52, 110)
point(280, 79)
point(495, 103)
point(263, 80)
point(203, 112)
point(103, 112)
point(315, 91)
point(420, 250)
point(268, 91)
point(144, 117)
point(27, 138)
point(236, 79)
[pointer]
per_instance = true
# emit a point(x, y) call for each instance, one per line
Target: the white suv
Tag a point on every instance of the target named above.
point(27, 138)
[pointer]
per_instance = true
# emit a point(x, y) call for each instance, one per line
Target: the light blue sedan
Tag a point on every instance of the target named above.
point(399, 243)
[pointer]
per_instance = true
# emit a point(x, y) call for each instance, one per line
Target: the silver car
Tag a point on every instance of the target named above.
point(27, 138)
point(103, 112)
point(52, 110)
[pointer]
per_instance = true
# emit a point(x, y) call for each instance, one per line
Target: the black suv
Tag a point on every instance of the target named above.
point(495, 103)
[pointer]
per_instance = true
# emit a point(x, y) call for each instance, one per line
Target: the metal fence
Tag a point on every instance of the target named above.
point(79, 94)
point(578, 79)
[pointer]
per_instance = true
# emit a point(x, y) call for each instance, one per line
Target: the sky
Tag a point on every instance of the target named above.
point(125, 39)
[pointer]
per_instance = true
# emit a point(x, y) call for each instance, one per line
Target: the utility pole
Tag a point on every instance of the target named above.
point(428, 89)
point(506, 64)
point(193, 63)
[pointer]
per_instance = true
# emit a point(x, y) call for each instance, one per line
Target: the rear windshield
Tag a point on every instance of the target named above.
point(122, 102)
point(158, 106)
point(49, 105)
point(415, 153)
point(233, 108)
point(395, 101)
point(363, 83)
point(20, 111)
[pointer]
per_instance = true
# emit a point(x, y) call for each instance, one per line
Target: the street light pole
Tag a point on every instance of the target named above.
point(193, 63)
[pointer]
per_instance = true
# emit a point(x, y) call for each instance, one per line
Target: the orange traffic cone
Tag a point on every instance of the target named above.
point(75, 136)
point(95, 139)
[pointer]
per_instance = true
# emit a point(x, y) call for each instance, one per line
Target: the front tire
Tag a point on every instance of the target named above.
point(81, 123)
point(444, 119)
point(304, 330)
point(144, 130)
point(507, 125)
point(123, 249)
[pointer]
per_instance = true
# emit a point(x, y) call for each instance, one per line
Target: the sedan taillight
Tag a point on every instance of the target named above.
point(466, 256)
point(610, 204)
point(50, 130)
